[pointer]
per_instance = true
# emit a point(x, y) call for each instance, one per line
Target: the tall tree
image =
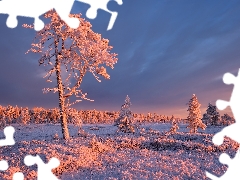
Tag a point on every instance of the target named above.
point(194, 117)
point(77, 51)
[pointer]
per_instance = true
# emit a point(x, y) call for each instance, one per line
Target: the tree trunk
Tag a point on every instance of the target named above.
point(63, 116)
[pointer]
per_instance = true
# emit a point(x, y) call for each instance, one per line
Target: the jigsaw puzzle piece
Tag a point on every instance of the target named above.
point(12, 21)
point(234, 102)
point(63, 8)
point(231, 131)
point(229, 78)
point(5, 8)
point(211, 176)
point(18, 176)
point(25, 8)
point(228, 175)
point(233, 172)
point(101, 4)
point(9, 140)
point(218, 138)
point(225, 159)
point(3, 165)
point(36, 8)
point(44, 170)
point(114, 13)
point(221, 104)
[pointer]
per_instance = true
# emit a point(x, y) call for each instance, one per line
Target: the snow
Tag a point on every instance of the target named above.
point(103, 153)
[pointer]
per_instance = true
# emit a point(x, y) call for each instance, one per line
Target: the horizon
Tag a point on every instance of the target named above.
point(227, 111)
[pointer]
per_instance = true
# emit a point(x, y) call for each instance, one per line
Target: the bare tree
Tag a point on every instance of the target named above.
point(77, 51)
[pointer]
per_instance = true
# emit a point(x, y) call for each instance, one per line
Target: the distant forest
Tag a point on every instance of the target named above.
point(10, 114)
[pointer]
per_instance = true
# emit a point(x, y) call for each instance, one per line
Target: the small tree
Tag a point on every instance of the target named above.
point(77, 51)
point(174, 127)
point(194, 117)
point(125, 120)
point(206, 119)
point(226, 119)
point(212, 117)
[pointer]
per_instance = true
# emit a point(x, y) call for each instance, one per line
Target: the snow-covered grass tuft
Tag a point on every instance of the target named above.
point(100, 152)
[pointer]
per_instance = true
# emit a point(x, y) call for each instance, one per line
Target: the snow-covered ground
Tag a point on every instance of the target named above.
point(102, 153)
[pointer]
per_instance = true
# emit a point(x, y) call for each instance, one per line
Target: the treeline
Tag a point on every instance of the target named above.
point(39, 115)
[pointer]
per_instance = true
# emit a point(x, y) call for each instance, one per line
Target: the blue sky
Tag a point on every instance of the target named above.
point(167, 50)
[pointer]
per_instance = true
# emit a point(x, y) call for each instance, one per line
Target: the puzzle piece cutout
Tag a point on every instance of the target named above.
point(232, 131)
point(234, 102)
point(34, 9)
point(44, 170)
point(233, 172)
point(3, 165)
point(18, 176)
point(9, 140)
point(101, 4)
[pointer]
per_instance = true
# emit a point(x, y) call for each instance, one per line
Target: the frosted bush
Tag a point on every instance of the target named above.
point(125, 119)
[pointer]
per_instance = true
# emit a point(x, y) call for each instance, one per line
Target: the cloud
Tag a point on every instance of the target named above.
point(168, 50)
